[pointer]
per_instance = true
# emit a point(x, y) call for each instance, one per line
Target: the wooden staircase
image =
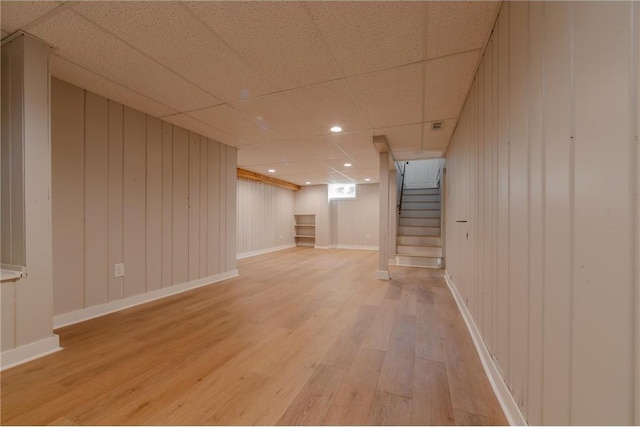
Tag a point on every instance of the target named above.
point(419, 242)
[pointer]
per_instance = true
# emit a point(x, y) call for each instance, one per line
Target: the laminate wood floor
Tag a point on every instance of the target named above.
point(303, 336)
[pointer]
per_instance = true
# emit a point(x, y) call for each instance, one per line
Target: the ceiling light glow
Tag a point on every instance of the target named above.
point(308, 182)
point(336, 129)
point(347, 165)
point(272, 170)
point(367, 179)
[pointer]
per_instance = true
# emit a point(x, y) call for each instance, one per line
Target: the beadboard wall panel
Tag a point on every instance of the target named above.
point(265, 216)
point(128, 187)
point(549, 193)
point(355, 222)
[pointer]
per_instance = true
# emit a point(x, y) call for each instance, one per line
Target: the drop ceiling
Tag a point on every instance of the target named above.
point(271, 78)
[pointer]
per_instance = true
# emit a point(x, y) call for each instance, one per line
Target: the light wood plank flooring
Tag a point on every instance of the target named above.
point(303, 336)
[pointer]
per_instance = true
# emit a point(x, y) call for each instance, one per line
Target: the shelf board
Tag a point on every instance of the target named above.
point(305, 225)
point(308, 237)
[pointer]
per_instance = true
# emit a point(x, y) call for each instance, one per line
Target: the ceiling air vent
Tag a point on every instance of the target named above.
point(437, 125)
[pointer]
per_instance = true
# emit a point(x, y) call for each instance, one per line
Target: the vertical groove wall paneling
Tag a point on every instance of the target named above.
point(167, 204)
point(194, 206)
point(154, 204)
point(549, 191)
point(115, 208)
point(135, 202)
point(67, 201)
point(603, 213)
point(213, 212)
point(96, 200)
point(180, 211)
point(230, 204)
point(204, 207)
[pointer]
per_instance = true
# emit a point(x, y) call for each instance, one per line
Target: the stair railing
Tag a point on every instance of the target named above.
point(404, 167)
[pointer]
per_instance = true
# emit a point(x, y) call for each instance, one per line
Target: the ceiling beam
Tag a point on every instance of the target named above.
point(254, 176)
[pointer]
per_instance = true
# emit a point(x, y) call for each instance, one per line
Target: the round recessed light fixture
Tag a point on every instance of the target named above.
point(308, 182)
point(367, 179)
point(336, 129)
point(348, 165)
point(272, 170)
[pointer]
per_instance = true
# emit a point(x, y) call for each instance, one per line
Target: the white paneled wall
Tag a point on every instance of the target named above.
point(355, 222)
point(543, 166)
point(265, 217)
point(130, 188)
point(422, 173)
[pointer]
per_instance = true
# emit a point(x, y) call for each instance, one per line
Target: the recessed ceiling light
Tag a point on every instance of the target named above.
point(272, 170)
point(367, 179)
point(336, 129)
point(308, 182)
point(347, 164)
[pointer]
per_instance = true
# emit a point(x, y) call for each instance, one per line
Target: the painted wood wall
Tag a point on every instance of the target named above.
point(265, 217)
point(543, 166)
point(128, 187)
point(355, 223)
point(422, 173)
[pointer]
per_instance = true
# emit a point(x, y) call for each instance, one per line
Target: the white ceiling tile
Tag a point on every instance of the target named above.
point(172, 35)
point(458, 26)
point(448, 80)
point(370, 36)
point(338, 163)
point(438, 139)
point(277, 38)
point(329, 104)
point(319, 148)
point(196, 126)
point(231, 121)
point(359, 146)
point(390, 97)
point(72, 73)
point(403, 138)
point(361, 174)
point(18, 14)
point(302, 179)
point(278, 115)
point(82, 42)
point(279, 152)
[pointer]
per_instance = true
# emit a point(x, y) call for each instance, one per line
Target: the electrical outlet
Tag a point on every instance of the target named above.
point(118, 270)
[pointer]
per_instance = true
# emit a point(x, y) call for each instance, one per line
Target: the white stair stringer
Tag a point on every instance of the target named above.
point(419, 241)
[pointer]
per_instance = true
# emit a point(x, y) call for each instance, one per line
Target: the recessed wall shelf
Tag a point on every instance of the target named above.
point(305, 233)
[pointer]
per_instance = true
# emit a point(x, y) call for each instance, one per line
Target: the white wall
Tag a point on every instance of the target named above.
point(354, 223)
point(265, 217)
point(26, 304)
point(128, 187)
point(422, 173)
point(543, 164)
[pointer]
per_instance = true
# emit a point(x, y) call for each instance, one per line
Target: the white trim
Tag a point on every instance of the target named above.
point(500, 388)
point(383, 275)
point(25, 353)
point(265, 251)
point(81, 315)
point(320, 247)
point(358, 247)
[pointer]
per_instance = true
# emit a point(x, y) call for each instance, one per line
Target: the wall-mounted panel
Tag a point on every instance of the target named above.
point(130, 188)
point(547, 272)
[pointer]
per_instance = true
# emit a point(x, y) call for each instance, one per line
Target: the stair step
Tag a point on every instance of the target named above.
point(420, 213)
point(420, 222)
point(423, 197)
point(418, 231)
point(419, 240)
point(420, 205)
point(417, 261)
point(415, 197)
point(426, 251)
point(435, 190)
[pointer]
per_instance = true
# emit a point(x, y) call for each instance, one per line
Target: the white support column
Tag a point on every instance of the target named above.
point(27, 313)
point(383, 262)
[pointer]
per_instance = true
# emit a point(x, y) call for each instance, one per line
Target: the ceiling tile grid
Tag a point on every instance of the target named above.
point(271, 78)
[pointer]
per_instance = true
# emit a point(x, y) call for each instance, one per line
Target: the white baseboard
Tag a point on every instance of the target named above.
point(357, 247)
point(81, 315)
point(383, 275)
point(25, 353)
point(265, 251)
point(320, 247)
point(505, 398)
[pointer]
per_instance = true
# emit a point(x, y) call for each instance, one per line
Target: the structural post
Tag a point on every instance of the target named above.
point(383, 261)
